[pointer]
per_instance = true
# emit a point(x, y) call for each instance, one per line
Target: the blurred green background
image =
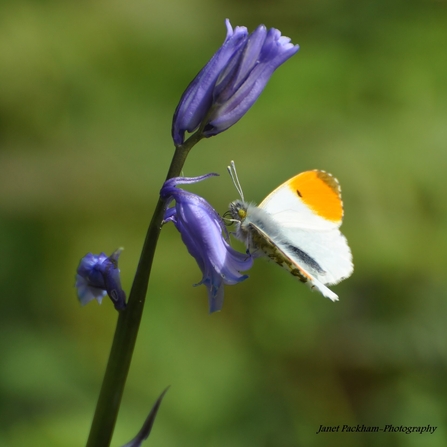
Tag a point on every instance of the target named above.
point(87, 92)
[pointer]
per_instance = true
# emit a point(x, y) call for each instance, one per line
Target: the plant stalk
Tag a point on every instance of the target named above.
point(129, 319)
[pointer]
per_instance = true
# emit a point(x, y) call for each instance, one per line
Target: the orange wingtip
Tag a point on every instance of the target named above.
point(320, 192)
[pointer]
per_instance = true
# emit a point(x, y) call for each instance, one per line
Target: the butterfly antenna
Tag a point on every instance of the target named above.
point(235, 178)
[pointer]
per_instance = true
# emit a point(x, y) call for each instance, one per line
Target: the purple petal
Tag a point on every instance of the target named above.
point(197, 98)
point(201, 229)
point(231, 82)
point(236, 73)
point(262, 55)
point(98, 275)
point(86, 292)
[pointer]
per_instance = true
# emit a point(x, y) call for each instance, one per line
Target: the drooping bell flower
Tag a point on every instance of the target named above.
point(98, 276)
point(205, 236)
point(231, 81)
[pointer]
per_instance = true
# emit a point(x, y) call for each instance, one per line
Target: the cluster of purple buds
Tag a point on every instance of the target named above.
point(231, 81)
point(98, 276)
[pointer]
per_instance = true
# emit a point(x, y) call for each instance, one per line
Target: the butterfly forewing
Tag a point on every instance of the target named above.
point(309, 200)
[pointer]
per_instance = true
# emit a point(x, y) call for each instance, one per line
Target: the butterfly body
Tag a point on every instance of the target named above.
point(297, 227)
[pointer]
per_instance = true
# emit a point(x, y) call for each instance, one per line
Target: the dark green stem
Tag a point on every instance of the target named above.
point(129, 320)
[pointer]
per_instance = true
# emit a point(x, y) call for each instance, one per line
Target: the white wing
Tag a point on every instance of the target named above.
point(277, 248)
point(324, 254)
point(306, 212)
point(329, 249)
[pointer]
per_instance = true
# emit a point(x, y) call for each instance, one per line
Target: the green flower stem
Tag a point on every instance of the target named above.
point(129, 320)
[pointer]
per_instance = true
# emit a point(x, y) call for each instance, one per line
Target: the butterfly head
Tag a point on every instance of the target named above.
point(238, 215)
point(238, 211)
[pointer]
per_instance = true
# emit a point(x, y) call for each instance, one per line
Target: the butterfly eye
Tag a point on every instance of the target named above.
point(241, 213)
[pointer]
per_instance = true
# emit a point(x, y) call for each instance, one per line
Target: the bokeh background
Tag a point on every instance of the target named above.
point(87, 92)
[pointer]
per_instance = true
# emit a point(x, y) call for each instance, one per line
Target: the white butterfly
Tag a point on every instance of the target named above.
point(297, 226)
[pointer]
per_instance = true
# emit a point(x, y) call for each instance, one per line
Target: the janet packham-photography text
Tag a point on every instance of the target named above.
point(389, 428)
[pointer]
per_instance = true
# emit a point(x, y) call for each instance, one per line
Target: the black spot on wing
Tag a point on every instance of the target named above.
point(297, 191)
point(304, 257)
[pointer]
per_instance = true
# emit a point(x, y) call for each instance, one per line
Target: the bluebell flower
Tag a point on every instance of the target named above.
point(98, 276)
point(231, 81)
point(205, 236)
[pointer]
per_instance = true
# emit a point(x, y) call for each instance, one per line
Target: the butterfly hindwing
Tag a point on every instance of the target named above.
point(291, 258)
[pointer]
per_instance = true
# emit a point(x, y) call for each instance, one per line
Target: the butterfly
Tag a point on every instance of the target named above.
point(297, 226)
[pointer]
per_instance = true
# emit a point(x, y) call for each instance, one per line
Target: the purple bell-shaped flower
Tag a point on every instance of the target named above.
point(202, 229)
point(98, 276)
point(231, 81)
